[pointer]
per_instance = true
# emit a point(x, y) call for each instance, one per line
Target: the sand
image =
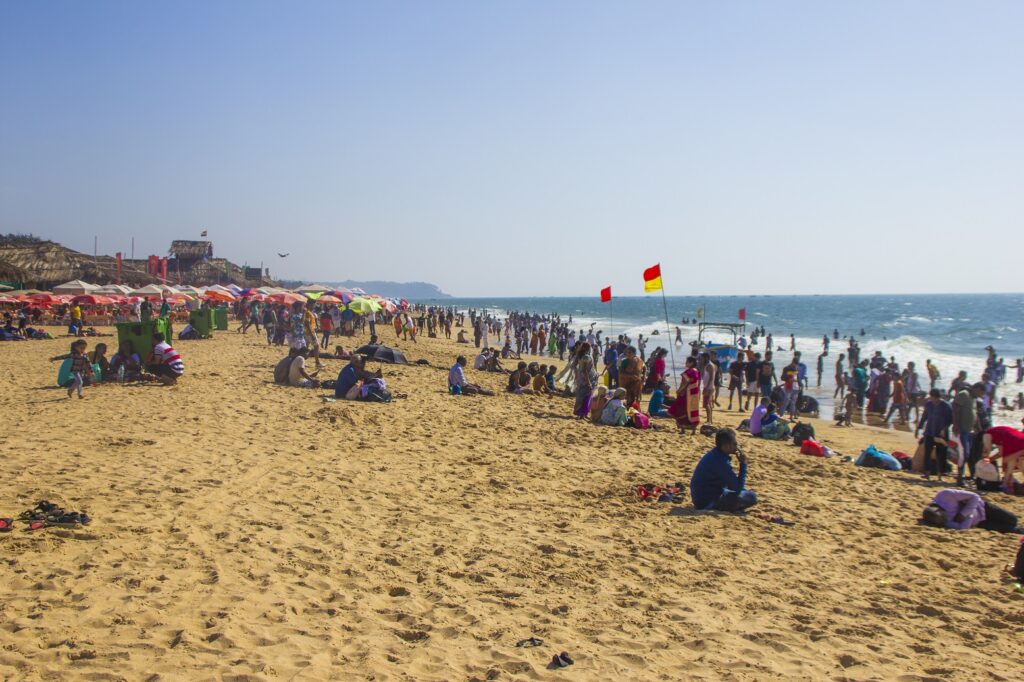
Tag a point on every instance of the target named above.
point(248, 531)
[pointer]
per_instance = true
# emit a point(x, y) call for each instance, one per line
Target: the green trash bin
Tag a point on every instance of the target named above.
point(202, 322)
point(220, 316)
point(141, 334)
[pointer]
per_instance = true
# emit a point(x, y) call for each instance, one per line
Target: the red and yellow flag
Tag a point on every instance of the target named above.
point(652, 278)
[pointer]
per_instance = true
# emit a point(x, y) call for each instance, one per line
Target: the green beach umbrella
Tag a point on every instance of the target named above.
point(363, 306)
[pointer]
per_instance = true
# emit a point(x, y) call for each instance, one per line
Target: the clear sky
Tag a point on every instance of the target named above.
point(529, 148)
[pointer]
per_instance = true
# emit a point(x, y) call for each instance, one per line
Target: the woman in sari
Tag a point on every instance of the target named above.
point(631, 376)
point(583, 380)
point(657, 373)
point(686, 408)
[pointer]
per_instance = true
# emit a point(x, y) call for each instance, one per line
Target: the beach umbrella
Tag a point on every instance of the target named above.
point(342, 294)
point(315, 288)
point(327, 298)
point(286, 297)
point(75, 287)
point(5, 299)
point(362, 306)
point(358, 292)
point(219, 296)
point(48, 299)
point(6, 287)
point(381, 353)
point(92, 299)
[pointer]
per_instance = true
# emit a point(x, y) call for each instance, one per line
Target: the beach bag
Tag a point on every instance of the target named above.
point(905, 460)
point(812, 447)
point(641, 421)
point(802, 432)
point(875, 458)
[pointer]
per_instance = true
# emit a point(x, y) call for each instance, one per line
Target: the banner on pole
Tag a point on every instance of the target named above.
point(652, 278)
point(606, 294)
point(743, 314)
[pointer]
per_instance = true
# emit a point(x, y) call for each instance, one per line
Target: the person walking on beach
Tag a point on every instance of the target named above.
point(631, 376)
point(710, 380)
point(821, 366)
point(736, 372)
point(679, 336)
point(767, 378)
point(80, 368)
point(933, 372)
point(965, 419)
point(611, 365)
point(753, 374)
point(584, 378)
point(936, 421)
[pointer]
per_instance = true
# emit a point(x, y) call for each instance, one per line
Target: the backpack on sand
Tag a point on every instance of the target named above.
point(802, 432)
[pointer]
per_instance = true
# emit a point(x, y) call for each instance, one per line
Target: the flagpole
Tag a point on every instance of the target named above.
point(668, 328)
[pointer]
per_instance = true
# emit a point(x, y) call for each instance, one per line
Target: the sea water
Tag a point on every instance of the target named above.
point(952, 330)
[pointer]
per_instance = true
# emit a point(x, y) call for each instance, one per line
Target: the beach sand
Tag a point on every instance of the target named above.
point(244, 530)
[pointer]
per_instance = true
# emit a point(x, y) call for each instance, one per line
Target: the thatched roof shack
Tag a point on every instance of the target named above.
point(185, 250)
point(46, 264)
point(9, 272)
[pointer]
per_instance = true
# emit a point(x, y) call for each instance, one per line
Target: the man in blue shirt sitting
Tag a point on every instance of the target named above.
point(714, 485)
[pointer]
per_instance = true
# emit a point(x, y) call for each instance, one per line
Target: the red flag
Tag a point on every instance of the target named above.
point(606, 294)
point(743, 313)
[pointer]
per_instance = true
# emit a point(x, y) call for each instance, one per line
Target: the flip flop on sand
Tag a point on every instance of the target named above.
point(531, 642)
point(6, 525)
point(561, 660)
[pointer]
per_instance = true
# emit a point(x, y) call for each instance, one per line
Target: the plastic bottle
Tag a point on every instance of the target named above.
point(120, 373)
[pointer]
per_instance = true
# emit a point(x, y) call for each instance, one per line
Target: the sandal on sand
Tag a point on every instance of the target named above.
point(531, 642)
point(6, 525)
point(561, 660)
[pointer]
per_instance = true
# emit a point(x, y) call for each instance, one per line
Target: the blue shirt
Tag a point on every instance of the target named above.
point(713, 476)
point(346, 380)
point(611, 358)
point(937, 418)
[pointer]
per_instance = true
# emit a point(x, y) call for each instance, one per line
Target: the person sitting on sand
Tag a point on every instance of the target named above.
point(772, 427)
point(297, 375)
point(461, 338)
point(165, 362)
point(282, 367)
point(540, 381)
point(1010, 443)
point(962, 509)
point(519, 380)
point(656, 407)
point(480, 361)
point(597, 404)
point(614, 412)
point(127, 358)
point(758, 416)
point(98, 356)
point(714, 484)
point(347, 385)
point(457, 384)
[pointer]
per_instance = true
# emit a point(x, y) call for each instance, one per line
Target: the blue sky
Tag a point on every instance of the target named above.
point(529, 148)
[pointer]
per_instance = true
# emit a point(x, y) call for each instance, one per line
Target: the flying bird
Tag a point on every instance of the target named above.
point(284, 255)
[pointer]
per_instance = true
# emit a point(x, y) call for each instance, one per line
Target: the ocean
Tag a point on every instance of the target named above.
point(950, 329)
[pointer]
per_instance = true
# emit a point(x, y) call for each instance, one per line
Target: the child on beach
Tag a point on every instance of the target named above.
point(849, 406)
point(80, 368)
